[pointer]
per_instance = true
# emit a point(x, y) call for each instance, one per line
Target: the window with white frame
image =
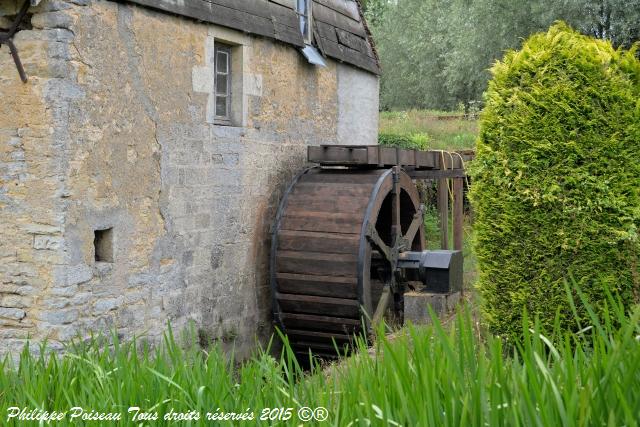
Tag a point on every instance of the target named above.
point(222, 83)
point(304, 13)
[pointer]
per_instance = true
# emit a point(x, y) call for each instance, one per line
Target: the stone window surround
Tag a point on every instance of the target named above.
point(243, 84)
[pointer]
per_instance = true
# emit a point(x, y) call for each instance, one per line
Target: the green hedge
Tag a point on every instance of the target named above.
point(416, 141)
point(557, 179)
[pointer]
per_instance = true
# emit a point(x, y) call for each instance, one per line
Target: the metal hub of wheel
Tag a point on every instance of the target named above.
point(337, 240)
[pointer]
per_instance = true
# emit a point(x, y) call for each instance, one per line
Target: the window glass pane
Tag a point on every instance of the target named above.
point(222, 61)
point(302, 11)
point(222, 84)
point(221, 106)
point(302, 7)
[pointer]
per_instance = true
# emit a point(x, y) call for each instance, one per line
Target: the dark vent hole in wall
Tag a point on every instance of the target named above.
point(103, 245)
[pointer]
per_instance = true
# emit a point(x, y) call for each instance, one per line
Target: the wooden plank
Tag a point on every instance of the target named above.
point(337, 204)
point(263, 9)
point(314, 263)
point(361, 155)
point(326, 31)
point(458, 213)
point(346, 8)
point(406, 157)
point(328, 222)
point(317, 336)
point(304, 223)
point(353, 41)
point(306, 304)
point(329, 191)
point(448, 161)
point(435, 174)
point(467, 155)
point(327, 286)
point(313, 241)
point(426, 159)
point(328, 154)
point(387, 156)
point(443, 211)
point(322, 323)
point(291, 4)
point(351, 56)
point(283, 32)
point(376, 155)
point(324, 350)
point(305, 194)
point(340, 176)
point(331, 17)
point(276, 21)
point(302, 354)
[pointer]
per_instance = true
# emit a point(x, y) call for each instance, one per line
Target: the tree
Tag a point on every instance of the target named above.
point(436, 53)
point(411, 43)
point(374, 10)
point(615, 20)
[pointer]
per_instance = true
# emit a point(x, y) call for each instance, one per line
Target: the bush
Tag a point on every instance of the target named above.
point(415, 141)
point(557, 179)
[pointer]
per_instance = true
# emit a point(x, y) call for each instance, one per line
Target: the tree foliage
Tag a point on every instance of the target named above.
point(437, 53)
point(556, 191)
point(614, 20)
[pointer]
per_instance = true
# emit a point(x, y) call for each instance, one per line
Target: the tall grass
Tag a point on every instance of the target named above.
point(431, 128)
point(429, 376)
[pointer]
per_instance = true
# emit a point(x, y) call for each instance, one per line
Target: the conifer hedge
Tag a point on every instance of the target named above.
point(556, 179)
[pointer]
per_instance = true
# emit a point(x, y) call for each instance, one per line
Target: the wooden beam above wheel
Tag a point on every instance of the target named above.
point(379, 156)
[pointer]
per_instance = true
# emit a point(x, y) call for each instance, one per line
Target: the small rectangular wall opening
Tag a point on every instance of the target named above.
point(103, 245)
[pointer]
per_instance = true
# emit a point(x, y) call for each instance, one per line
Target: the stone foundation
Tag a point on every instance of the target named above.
point(416, 306)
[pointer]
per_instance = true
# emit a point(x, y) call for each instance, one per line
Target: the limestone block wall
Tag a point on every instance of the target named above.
point(33, 188)
point(113, 137)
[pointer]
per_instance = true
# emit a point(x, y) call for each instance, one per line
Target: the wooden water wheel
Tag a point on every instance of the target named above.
point(335, 248)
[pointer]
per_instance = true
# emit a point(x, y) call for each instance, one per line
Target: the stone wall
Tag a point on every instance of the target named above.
point(358, 104)
point(33, 195)
point(114, 131)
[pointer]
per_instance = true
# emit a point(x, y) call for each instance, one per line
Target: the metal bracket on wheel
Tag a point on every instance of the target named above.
point(7, 38)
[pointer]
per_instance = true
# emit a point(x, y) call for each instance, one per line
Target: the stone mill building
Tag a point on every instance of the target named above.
point(142, 160)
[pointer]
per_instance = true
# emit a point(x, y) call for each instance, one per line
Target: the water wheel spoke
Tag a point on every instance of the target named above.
point(383, 304)
point(376, 240)
point(410, 235)
point(396, 227)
